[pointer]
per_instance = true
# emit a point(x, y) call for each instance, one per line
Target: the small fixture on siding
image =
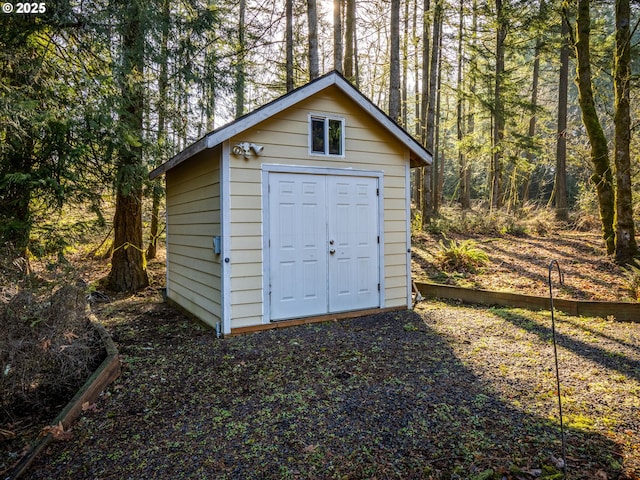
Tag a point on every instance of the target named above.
point(217, 244)
point(245, 149)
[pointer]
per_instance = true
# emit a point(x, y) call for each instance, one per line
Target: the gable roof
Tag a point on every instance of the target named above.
point(420, 157)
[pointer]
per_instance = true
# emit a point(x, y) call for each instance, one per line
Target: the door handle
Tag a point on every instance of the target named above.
point(332, 251)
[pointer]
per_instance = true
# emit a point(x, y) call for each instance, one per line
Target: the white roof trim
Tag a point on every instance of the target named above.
point(265, 112)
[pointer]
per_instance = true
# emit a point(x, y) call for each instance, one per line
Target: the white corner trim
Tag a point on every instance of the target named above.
point(225, 228)
point(166, 245)
point(381, 270)
point(266, 252)
point(407, 186)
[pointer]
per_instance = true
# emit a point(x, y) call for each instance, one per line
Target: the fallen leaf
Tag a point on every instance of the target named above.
point(310, 448)
point(601, 475)
point(90, 407)
point(70, 336)
point(45, 343)
point(56, 431)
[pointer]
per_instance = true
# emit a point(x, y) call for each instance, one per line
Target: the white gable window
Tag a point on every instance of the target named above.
point(326, 135)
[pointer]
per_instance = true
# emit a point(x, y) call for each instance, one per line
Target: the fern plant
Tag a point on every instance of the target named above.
point(631, 276)
point(461, 256)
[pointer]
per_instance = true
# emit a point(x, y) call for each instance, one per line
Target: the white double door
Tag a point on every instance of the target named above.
point(323, 244)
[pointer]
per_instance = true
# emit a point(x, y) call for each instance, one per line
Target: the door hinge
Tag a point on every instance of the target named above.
point(378, 238)
point(377, 192)
point(378, 287)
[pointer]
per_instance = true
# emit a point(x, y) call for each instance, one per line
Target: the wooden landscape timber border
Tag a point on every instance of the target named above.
point(622, 311)
point(106, 373)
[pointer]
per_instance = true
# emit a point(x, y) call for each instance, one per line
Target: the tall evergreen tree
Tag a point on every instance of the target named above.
point(47, 115)
point(128, 265)
point(163, 92)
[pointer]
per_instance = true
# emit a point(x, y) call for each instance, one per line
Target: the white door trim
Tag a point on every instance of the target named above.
point(266, 224)
point(225, 230)
point(407, 189)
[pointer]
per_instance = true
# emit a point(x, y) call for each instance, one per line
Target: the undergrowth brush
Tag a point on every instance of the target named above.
point(527, 220)
point(47, 349)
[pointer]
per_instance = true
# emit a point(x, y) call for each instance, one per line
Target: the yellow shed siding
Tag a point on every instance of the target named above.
point(193, 210)
point(285, 137)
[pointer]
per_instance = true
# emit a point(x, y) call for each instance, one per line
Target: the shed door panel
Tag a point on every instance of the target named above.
point(298, 263)
point(353, 239)
point(323, 238)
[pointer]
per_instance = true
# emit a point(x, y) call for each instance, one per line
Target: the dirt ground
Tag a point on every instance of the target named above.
point(445, 392)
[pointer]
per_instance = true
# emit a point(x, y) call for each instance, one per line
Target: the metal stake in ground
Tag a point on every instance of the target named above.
point(555, 354)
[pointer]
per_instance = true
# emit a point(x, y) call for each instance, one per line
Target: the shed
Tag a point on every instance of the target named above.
point(298, 211)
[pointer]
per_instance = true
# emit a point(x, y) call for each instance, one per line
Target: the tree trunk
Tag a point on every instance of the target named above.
point(337, 35)
point(356, 63)
point(465, 198)
point(498, 111)
point(152, 247)
point(17, 149)
point(437, 153)
point(416, 69)
point(15, 198)
point(532, 121)
point(394, 66)
point(314, 62)
point(128, 265)
point(471, 112)
point(240, 61)
point(602, 176)
point(289, 45)
point(626, 247)
point(417, 172)
point(405, 68)
point(349, 35)
point(432, 105)
point(561, 201)
point(426, 39)
point(425, 190)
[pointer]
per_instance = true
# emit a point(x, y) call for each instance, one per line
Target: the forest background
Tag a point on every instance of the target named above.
point(94, 94)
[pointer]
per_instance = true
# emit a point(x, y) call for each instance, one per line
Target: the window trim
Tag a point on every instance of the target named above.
point(326, 118)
